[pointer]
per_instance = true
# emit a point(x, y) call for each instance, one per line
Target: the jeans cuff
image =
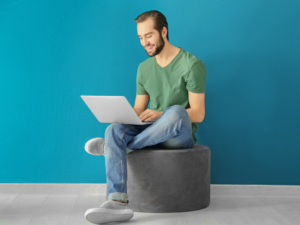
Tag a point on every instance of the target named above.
point(127, 151)
point(119, 196)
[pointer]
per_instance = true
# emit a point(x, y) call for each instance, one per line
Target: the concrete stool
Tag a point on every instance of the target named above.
point(168, 180)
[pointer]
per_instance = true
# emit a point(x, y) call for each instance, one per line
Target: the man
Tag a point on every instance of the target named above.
point(174, 80)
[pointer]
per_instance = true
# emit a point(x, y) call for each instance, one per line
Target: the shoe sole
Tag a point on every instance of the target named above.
point(86, 146)
point(103, 215)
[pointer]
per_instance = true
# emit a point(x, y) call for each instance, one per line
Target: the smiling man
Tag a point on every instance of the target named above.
point(173, 77)
point(174, 80)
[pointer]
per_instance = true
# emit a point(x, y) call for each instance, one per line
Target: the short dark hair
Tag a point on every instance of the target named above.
point(159, 19)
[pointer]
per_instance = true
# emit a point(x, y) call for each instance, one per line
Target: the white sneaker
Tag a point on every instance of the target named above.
point(109, 211)
point(95, 146)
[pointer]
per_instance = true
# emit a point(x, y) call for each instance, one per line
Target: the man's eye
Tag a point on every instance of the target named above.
point(147, 37)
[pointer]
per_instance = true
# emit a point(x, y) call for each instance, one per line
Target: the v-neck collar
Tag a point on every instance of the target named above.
point(173, 60)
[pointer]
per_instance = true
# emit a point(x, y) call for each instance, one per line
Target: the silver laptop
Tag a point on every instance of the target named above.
point(113, 109)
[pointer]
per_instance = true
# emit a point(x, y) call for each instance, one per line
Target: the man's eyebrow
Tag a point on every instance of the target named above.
point(147, 33)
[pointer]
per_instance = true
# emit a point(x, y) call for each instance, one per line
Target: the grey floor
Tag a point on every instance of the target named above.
point(42, 204)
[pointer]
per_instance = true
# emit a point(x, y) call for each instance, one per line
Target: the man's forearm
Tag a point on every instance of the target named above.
point(138, 111)
point(194, 115)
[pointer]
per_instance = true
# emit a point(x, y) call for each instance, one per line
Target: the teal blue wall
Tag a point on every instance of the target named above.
point(51, 52)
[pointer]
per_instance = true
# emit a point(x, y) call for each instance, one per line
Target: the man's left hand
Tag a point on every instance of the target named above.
point(150, 114)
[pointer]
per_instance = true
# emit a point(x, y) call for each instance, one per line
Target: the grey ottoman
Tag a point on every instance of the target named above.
point(168, 180)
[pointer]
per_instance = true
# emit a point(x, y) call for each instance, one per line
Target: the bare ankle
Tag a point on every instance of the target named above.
point(118, 201)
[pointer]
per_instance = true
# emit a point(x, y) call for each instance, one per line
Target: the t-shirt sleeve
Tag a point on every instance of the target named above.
point(140, 90)
point(196, 78)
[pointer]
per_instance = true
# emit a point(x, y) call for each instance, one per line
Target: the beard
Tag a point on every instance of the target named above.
point(159, 47)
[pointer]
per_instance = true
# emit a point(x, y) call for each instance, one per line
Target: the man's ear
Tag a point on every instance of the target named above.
point(165, 31)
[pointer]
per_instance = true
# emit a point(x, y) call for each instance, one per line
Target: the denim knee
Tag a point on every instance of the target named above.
point(114, 126)
point(177, 111)
point(176, 108)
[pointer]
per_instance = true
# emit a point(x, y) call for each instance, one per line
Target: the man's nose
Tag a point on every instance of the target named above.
point(146, 43)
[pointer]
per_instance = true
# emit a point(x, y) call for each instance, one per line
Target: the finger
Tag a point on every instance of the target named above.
point(144, 117)
point(149, 118)
point(141, 115)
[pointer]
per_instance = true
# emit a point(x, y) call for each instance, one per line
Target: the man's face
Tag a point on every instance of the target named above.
point(151, 39)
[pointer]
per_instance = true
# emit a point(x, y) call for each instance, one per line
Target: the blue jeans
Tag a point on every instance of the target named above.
point(173, 129)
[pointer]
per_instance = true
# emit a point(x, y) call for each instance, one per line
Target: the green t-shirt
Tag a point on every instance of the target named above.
point(169, 85)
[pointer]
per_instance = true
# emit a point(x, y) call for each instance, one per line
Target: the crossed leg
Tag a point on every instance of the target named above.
point(173, 129)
